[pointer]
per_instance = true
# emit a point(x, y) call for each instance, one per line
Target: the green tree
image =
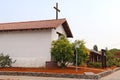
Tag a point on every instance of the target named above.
point(82, 52)
point(114, 50)
point(95, 48)
point(62, 51)
point(110, 56)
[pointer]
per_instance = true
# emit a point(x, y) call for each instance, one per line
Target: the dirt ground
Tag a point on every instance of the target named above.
point(69, 70)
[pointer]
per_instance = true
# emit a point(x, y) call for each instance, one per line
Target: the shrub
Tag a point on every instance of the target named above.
point(95, 64)
point(110, 60)
point(62, 51)
point(110, 63)
point(5, 61)
point(117, 62)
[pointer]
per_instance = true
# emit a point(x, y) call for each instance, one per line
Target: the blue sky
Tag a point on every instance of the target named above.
point(94, 21)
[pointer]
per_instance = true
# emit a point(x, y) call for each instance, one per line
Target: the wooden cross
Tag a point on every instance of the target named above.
point(57, 10)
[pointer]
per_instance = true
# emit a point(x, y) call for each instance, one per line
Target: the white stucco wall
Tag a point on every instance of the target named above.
point(28, 48)
point(58, 29)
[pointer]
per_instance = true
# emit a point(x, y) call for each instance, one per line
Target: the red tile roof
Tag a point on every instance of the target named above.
point(33, 25)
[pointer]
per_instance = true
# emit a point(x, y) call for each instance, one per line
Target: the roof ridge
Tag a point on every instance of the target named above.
point(31, 21)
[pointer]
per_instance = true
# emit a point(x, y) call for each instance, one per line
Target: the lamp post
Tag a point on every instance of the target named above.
point(76, 46)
